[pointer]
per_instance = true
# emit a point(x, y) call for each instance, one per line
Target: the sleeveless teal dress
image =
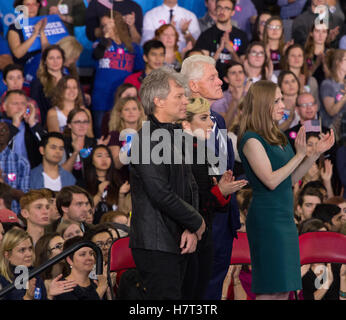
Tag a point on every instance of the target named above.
point(270, 227)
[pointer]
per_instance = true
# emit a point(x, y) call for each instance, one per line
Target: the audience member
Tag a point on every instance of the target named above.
point(14, 169)
point(103, 183)
point(117, 58)
point(259, 25)
point(72, 13)
point(153, 56)
point(73, 203)
point(209, 19)
point(125, 120)
point(315, 49)
point(223, 41)
point(332, 91)
point(69, 229)
point(130, 11)
point(307, 200)
point(169, 36)
point(35, 210)
point(234, 77)
point(67, 96)
point(290, 88)
point(50, 71)
point(20, 48)
point(257, 65)
point(332, 216)
point(26, 132)
point(245, 15)
point(124, 90)
point(170, 12)
point(17, 250)
point(80, 264)
point(302, 24)
point(14, 80)
point(49, 174)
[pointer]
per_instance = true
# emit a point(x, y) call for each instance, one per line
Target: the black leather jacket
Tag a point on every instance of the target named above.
point(164, 199)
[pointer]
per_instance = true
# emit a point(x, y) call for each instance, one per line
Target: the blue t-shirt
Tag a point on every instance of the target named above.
point(4, 49)
point(117, 63)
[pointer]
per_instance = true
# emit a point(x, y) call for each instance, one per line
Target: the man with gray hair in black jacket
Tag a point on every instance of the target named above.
point(165, 224)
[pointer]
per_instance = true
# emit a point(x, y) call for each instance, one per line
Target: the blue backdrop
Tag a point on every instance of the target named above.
point(7, 17)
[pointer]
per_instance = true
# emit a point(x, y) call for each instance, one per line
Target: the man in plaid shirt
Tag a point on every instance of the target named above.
point(14, 169)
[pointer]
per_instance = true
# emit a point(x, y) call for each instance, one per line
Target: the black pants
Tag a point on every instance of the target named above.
point(199, 269)
point(162, 273)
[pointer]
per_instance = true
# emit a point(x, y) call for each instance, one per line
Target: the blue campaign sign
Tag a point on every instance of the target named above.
point(54, 30)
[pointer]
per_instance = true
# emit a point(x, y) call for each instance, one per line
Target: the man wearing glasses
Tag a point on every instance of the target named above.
point(223, 41)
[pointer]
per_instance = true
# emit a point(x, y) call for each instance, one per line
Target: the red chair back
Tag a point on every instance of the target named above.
point(322, 247)
point(241, 250)
point(120, 255)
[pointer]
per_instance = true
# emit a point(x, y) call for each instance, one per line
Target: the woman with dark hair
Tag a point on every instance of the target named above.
point(104, 184)
point(50, 71)
point(258, 27)
point(273, 38)
point(20, 47)
point(67, 96)
point(117, 57)
point(290, 88)
point(315, 47)
point(294, 60)
point(257, 65)
point(79, 265)
point(272, 168)
point(77, 143)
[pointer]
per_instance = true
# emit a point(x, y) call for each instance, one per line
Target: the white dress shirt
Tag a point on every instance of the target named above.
point(158, 16)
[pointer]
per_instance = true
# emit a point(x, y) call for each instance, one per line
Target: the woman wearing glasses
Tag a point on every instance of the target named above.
point(78, 144)
point(257, 65)
point(273, 38)
point(67, 97)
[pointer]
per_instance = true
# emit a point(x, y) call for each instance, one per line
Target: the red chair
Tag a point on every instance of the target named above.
point(241, 250)
point(322, 247)
point(119, 259)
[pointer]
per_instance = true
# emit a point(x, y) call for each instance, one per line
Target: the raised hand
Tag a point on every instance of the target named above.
point(184, 25)
point(326, 142)
point(30, 118)
point(104, 140)
point(125, 188)
point(327, 171)
point(130, 19)
point(300, 142)
point(78, 144)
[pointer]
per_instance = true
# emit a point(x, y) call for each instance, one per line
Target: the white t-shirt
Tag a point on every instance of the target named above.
point(52, 184)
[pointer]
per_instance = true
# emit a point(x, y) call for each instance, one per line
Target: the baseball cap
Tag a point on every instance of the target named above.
point(7, 215)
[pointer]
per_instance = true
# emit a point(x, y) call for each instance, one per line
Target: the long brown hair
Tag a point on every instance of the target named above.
point(266, 61)
point(121, 29)
point(333, 58)
point(257, 113)
point(48, 81)
point(59, 93)
point(284, 62)
point(281, 40)
point(309, 47)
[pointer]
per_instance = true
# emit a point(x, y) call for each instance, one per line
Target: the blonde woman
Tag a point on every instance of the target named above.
point(16, 253)
point(272, 168)
point(127, 116)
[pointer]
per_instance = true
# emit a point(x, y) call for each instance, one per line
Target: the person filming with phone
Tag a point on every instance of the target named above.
point(25, 131)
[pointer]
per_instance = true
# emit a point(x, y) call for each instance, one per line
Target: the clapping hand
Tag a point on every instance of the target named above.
point(58, 287)
point(104, 140)
point(125, 188)
point(326, 142)
point(327, 171)
point(300, 142)
point(228, 184)
point(130, 19)
point(184, 25)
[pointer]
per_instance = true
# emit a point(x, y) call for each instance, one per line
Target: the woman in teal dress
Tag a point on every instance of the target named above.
point(272, 168)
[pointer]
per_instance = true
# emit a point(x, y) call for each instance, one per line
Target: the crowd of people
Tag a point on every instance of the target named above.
point(260, 84)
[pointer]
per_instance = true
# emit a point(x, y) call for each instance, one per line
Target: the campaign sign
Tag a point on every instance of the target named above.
point(54, 30)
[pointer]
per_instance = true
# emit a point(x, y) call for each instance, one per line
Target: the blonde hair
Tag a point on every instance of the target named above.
point(116, 123)
point(72, 49)
point(257, 113)
point(12, 238)
point(196, 106)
